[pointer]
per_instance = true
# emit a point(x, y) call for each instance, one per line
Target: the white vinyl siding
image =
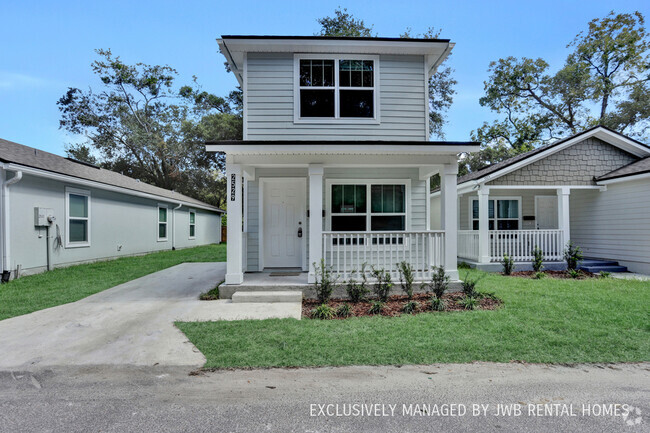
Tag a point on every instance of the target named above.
point(270, 102)
point(614, 224)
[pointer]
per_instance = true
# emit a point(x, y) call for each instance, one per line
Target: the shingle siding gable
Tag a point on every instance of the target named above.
point(575, 165)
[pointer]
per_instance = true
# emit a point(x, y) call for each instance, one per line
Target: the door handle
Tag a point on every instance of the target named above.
point(299, 232)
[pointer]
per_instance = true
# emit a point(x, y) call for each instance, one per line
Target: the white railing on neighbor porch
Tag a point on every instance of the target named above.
point(468, 244)
point(346, 252)
point(518, 244)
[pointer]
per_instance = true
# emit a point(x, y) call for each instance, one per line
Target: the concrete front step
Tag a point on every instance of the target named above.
point(608, 268)
point(595, 262)
point(267, 296)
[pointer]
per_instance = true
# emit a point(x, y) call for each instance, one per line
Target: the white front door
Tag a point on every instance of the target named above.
point(546, 212)
point(284, 223)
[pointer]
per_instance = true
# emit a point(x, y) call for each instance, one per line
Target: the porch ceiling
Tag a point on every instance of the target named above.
point(341, 160)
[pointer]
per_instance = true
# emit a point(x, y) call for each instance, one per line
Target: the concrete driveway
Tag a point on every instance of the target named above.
point(130, 324)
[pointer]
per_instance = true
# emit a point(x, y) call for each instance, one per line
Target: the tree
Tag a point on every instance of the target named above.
point(441, 84)
point(141, 125)
point(604, 81)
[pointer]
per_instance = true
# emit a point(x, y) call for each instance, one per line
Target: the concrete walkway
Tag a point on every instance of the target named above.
point(130, 324)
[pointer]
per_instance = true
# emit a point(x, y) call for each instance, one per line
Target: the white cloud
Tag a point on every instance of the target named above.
point(13, 80)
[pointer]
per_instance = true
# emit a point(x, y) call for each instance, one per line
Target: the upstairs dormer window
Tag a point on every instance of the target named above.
point(336, 89)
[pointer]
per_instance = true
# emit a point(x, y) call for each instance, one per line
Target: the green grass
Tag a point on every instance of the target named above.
point(64, 285)
point(541, 321)
point(212, 294)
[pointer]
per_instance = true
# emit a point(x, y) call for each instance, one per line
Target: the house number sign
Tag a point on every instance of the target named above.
point(233, 186)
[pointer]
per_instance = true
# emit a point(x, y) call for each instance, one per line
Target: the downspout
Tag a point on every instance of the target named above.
point(18, 175)
point(174, 225)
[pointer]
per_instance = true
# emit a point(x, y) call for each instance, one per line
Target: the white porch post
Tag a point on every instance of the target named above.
point(315, 219)
point(234, 273)
point(564, 222)
point(483, 225)
point(449, 217)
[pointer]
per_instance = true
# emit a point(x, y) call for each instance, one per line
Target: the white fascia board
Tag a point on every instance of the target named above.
point(433, 63)
point(624, 179)
point(343, 149)
point(234, 67)
point(98, 185)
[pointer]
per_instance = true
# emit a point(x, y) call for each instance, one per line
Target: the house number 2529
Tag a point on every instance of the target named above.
point(233, 186)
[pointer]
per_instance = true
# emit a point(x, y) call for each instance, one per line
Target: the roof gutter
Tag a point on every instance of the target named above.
point(441, 59)
point(6, 250)
point(99, 185)
point(226, 52)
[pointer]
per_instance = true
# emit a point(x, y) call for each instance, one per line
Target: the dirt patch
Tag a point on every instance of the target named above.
point(555, 274)
point(395, 303)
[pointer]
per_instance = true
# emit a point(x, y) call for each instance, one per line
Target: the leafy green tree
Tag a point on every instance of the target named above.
point(604, 81)
point(142, 125)
point(441, 84)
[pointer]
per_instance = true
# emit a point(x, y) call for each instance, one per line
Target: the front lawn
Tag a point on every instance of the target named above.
point(64, 285)
point(544, 321)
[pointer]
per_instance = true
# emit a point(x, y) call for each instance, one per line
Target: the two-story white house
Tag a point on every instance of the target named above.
point(336, 159)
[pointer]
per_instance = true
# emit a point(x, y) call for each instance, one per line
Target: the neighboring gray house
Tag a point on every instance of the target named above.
point(592, 188)
point(57, 211)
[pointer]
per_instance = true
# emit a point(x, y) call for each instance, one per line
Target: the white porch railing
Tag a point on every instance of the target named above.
point(468, 244)
point(518, 244)
point(346, 252)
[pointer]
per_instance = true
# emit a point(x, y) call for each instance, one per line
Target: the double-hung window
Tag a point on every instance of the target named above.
point(367, 207)
point(336, 88)
point(192, 224)
point(162, 222)
point(77, 218)
point(505, 218)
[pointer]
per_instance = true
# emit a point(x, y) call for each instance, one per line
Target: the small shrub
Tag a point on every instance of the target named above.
point(344, 310)
point(439, 282)
point(325, 282)
point(469, 284)
point(357, 290)
point(376, 307)
point(406, 278)
point(508, 264)
point(573, 273)
point(437, 304)
point(383, 285)
point(538, 259)
point(604, 274)
point(322, 312)
point(411, 307)
point(464, 265)
point(572, 255)
point(469, 302)
point(539, 275)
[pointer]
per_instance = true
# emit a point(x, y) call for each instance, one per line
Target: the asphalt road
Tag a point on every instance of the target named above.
point(580, 398)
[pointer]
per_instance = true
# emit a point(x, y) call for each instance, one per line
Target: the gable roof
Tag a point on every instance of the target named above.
point(607, 135)
point(638, 167)
point(21, 155)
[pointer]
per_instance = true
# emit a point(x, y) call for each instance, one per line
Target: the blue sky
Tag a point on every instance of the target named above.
point(48, 46)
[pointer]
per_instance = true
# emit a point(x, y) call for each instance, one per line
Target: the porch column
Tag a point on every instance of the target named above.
point(449, 217)
point(564, 222)
point(315, 219)
point(234, 273)
point(483, 225)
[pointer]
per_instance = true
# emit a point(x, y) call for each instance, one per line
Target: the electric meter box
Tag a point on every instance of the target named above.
point(43, 216)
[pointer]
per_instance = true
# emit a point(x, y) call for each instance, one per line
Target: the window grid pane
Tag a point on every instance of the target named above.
point(162, 230)
point(78, 230)
point(162, 214)
point(78, 205)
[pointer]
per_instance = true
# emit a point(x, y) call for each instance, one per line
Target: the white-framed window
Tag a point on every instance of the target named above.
point(341, 89)
point(77, 216)
point(367, 206)
point(162, 222)
point(192, 224)
point(504, 213)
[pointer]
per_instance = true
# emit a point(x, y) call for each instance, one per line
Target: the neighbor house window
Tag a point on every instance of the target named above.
point(192, 224)
point(336, 88)
point(77, 217)
point(367, 207)
point(505, 218)
point(162, 222)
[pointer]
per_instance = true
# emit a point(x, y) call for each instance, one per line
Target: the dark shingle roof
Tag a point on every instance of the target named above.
point(637, 167)
point(11, 152)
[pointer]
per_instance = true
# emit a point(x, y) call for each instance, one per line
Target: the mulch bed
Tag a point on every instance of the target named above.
point(393, 307)
point(555, 274)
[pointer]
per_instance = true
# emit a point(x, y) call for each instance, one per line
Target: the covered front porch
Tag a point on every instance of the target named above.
point(351, 206)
